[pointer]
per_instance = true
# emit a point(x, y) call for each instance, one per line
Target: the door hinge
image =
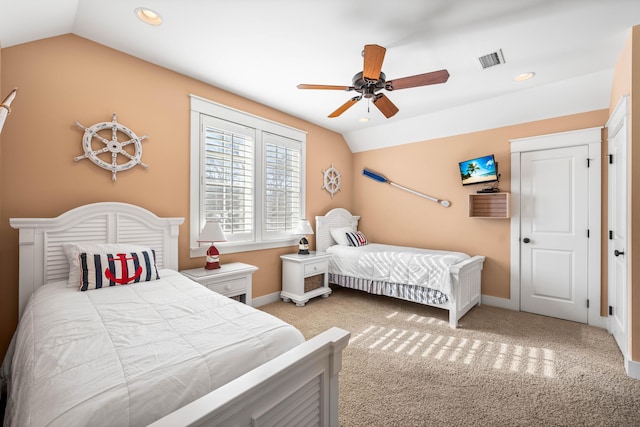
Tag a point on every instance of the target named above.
point(610, 159)
point(610, 311)
point(588, 233)
point(610, 234)
point(588, 162)
point(587, 303)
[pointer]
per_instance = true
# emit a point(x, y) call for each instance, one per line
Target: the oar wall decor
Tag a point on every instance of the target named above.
point(380, 178)
point(5, 107)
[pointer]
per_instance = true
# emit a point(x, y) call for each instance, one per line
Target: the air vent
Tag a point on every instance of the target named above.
point(491, 59)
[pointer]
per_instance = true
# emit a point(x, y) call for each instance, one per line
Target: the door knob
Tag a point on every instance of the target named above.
point(526, 240)
point(618, 253)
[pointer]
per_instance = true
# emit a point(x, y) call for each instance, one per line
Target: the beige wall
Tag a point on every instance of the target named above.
point(66, 79)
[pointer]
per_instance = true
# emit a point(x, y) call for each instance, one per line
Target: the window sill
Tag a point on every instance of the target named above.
point(231, 247)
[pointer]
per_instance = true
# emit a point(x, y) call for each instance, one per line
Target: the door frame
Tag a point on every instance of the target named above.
point(618, 119)
point(592, 137)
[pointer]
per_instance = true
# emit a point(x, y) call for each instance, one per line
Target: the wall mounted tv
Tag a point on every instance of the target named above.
point(479, 170)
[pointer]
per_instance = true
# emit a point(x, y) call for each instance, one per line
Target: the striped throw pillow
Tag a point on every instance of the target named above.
point(356, 239)
point(110, 269)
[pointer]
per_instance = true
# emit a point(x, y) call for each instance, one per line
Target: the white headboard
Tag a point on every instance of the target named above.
point(337, 217)
point(42, 259)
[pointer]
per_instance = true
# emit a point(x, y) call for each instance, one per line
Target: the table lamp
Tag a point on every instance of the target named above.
point(303, 228)
point(212, 232)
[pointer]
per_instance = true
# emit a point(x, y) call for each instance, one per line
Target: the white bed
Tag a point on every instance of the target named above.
point(444, 279)
point(166, 352)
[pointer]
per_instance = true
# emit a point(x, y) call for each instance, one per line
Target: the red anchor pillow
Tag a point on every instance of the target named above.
point(73, 251)
point(102, 270)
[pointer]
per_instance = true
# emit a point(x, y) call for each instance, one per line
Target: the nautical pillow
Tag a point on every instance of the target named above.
point(73, 251)
point(357, 239)
point(111, 269)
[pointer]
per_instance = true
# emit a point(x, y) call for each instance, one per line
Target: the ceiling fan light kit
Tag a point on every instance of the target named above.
point(371, 80)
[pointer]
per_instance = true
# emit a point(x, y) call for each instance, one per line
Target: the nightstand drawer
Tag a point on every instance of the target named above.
point(314, 268)
point(227, 287)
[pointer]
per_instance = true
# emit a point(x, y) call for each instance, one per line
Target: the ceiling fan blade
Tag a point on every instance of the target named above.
point(326, 87)
point(385, 105)
point(344, 107)
point(425, 79)
point(373, 57)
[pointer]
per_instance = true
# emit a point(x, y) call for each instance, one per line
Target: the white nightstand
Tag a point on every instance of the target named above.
point(305, 277)
point(232, 280)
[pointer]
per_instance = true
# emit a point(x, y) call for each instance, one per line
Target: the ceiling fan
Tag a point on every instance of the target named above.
point(371, 80)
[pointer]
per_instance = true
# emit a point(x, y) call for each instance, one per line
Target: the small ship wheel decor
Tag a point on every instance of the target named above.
point(125, 150)
point(332, 180)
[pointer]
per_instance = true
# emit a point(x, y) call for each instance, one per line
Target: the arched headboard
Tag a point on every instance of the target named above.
point(42, 258)
point(338, 217)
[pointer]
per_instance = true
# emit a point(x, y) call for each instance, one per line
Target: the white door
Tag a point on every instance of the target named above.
point(617, 259)
point(554, 226)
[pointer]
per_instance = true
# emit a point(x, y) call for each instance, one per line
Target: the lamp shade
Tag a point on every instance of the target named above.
point(304, 227)
point(212, 232)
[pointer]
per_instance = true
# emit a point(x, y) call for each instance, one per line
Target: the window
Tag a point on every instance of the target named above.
point(248, 173)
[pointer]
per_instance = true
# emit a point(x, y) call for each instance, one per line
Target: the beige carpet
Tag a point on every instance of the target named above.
point(404, 366)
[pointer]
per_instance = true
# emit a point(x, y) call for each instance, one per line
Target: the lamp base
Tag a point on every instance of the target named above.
point(212, 266)
point(213, 258)
point(303, 246)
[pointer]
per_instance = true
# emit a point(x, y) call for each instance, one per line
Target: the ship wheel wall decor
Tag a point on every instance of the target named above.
point(125, 152)
point(332, 180)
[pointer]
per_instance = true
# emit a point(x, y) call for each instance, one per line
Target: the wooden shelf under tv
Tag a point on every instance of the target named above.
point(489, 205)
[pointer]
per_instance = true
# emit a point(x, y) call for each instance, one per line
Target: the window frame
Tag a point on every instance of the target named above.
point(200, 106)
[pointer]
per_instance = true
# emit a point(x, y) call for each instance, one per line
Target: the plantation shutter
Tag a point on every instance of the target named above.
point(283, 185)
point(228, 177)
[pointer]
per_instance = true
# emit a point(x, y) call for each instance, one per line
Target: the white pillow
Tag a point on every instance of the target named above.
point(73, 251)
point(339, 234)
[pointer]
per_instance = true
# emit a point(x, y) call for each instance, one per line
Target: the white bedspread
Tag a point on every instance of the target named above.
point(128, 355)
point(396, 264)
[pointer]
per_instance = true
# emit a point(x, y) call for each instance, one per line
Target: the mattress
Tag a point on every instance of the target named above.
point(389, 264)
point(128, 355)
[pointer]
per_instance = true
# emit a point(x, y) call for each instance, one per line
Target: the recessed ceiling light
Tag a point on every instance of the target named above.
point(363, 119)
point(148, 16)
point(524, 76)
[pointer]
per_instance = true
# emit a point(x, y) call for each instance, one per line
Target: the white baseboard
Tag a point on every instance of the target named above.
point(632, 368)
point(598, 322)
point(499, 302)
point(266, 299)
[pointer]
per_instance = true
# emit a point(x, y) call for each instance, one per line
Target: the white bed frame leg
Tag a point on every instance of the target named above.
point(467, 277)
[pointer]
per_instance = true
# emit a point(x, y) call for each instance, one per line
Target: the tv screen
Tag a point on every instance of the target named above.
point(479, 170)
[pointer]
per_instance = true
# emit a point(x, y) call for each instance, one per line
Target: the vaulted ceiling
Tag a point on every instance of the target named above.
point(263, 49)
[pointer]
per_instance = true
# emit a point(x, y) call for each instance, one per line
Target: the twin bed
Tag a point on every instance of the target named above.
point(443, 279)
point(165, 351)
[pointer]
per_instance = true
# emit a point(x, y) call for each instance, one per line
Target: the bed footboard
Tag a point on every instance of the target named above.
point(467, 277)
point(299, 387)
